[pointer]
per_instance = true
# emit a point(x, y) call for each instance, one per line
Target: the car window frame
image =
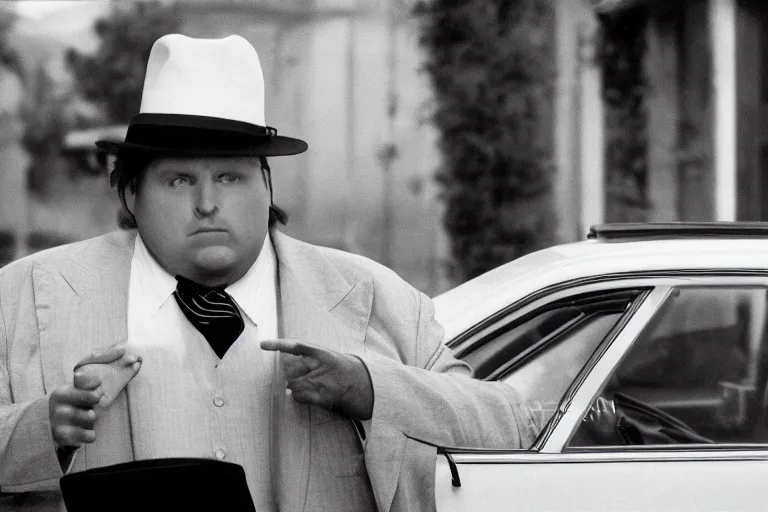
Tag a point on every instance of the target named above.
point(459, 341)
point(556, 336)
point(530, 306)
point(549, 449)
point(726, 280)
point(475, 336)
point(492, 331)
point(554, 436)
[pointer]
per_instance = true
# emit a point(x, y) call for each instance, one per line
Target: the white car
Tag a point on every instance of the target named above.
point(643, 351)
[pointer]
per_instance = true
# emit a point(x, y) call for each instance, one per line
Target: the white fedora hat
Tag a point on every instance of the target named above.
point(203, 97)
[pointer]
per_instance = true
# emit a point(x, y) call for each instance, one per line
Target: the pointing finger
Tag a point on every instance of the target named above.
point(287, 346)
point(271, 345)
point(291, 347)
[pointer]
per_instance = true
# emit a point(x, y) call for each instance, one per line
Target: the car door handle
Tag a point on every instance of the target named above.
point(455, 479)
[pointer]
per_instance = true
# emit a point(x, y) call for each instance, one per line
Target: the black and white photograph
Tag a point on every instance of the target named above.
point(383, 255)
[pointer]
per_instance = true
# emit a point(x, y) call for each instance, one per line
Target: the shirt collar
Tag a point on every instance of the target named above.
point(258, 285)
point(248, 292)
point(157, 284)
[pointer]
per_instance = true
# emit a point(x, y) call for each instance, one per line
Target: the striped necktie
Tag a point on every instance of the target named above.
point(212, 311)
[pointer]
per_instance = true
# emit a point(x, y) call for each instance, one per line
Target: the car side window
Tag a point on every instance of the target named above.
point(542, 353)
point(543, 381)
point(696, 374)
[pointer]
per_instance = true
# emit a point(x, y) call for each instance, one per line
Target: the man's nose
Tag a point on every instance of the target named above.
point(206, 201)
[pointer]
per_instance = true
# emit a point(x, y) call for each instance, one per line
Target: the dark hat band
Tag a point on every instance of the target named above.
point(191, 135)
point(203, 122)
point(180, 132)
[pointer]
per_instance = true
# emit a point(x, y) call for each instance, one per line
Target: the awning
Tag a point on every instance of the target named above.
point(85, 140)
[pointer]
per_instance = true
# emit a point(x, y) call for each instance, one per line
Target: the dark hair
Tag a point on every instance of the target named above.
point(130, 168)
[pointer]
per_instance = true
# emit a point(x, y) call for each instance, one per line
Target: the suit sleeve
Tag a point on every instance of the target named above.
point(28, 459)
point(435, 400)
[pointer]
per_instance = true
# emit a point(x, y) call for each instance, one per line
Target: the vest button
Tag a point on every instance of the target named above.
point(218, 401)
point(220, 454)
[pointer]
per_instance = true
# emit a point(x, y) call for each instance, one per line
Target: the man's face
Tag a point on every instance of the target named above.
point(203, 218)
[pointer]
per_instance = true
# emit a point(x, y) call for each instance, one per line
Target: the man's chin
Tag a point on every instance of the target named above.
point(215, 260)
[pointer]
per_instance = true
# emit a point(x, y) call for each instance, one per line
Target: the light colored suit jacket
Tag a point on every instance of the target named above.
point(59, 305)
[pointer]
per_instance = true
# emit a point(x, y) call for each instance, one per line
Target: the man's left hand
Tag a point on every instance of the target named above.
point(325, 378)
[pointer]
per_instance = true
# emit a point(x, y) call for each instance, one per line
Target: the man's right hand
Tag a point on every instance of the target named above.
point(113, 368)
point(72, 415)
point(97, 380)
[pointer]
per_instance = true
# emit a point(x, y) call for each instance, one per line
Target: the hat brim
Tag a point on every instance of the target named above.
point(167, 485)
point(277, 145)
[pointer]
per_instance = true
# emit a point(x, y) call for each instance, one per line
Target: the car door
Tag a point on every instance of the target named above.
point(663, 412)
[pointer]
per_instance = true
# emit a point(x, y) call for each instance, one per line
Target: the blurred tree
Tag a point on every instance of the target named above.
point(41, 113)
point(491, 65)
point(112, 79)
point(114, 76)
point(46, 125)
point(622, 50)
point(9, 57)
point(9, 62)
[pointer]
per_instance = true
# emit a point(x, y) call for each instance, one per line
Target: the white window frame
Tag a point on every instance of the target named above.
point(553, 447)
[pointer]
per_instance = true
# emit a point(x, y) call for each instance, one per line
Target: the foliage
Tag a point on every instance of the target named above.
point(46, 125)
point(42, 119)
point(9, 57)
point(622, 52)
point(490, 62)
point(113, 77)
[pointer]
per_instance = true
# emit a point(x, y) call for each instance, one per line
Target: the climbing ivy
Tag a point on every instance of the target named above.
point(622, 51)
point(490, 64)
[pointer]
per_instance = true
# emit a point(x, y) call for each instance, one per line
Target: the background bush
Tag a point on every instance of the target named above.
point(490, 62)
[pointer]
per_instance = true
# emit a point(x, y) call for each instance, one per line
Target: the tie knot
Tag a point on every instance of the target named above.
point(188, 287)
point(212, 311)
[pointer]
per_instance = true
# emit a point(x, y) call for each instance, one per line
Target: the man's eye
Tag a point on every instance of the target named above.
point(179, 181)
point(229, 178)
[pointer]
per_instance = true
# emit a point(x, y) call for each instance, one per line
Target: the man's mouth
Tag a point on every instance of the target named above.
point(208, 230)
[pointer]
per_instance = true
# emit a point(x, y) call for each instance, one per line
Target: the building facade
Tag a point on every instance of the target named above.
point(705, 93)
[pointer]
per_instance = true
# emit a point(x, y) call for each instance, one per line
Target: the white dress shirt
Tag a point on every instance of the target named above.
point(185, 402)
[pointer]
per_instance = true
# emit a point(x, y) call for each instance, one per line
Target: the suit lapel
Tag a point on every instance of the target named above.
point(317, 305)
point(81, 307)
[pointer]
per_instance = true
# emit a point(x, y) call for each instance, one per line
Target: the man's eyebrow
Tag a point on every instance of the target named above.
point(172, 170)
point(235, 169)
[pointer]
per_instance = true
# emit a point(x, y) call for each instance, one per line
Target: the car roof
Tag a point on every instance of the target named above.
point(468, 304)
